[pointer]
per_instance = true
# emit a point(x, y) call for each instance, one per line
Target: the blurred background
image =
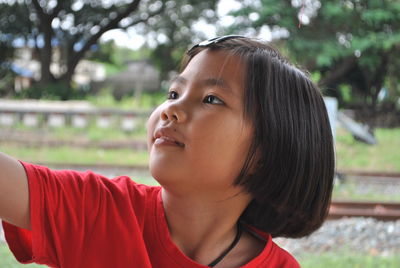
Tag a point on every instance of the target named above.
point(79, 78)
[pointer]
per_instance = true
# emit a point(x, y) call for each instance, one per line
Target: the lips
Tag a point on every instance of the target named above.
point(164, 136)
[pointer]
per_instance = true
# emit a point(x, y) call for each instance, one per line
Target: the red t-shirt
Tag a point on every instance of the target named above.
point(82, 219)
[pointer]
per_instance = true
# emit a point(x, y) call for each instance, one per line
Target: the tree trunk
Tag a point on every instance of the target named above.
point(74, 57)
point(337, 73)
point(46, 53)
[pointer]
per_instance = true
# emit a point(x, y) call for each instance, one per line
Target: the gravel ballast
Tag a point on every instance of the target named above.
point(359, 235)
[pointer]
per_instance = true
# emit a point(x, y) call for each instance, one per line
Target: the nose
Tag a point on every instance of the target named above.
point(174, 112)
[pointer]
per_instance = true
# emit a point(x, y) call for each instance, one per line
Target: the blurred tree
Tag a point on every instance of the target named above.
point(6, 74)
point(13, 17)
point(175, 31)
point(15, 23)
point(347, 42)
point(74, 26)
point(103, 52)
point(115, 57)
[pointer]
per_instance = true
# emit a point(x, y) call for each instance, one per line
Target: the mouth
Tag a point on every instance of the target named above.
point(164, 140)
point(165, 137)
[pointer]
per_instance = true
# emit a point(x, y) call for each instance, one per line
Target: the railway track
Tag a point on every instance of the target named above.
point(378, 174)
point(386, 211)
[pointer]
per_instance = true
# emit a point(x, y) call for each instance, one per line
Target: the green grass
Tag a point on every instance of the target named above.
point(7, 260)
point(385, 156)
point(68, 155)
point(347, 260)
point(92, 133)
point(350, 154)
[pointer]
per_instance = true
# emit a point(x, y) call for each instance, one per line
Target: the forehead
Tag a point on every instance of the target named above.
point(217, 65)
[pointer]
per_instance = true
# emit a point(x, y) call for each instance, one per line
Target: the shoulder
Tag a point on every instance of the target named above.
point(272, 255)
point(128, 186)
point(283, 258)
point(85, 182)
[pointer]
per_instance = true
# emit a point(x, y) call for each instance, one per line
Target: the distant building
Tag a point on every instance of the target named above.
point(139, 76)
point(87, 71)
point(23, 77)
point(26, 61)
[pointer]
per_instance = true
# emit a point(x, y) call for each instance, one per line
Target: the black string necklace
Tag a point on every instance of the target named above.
point(234, 243)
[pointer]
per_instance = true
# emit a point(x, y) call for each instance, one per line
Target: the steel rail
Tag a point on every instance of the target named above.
point(361, 173)
point(386, 211)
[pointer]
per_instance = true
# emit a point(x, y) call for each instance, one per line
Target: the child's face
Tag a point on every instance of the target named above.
point(198, 139)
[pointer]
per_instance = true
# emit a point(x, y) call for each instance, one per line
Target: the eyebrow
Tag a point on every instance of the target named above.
point(219, 82)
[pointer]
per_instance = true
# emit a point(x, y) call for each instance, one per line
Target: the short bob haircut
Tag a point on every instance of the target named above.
point(292, 148)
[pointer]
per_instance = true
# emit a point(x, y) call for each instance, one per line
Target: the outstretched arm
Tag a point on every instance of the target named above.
point(14, 192)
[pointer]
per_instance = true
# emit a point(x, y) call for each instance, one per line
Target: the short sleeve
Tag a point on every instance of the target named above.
point(71, 214)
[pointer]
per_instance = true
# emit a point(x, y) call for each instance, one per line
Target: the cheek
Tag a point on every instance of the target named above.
point(151, 125)
point(225, 142)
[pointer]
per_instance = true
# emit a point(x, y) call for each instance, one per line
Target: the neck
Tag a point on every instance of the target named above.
point(203, 226)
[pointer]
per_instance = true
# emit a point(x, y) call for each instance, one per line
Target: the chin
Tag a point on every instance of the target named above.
point(163, 174)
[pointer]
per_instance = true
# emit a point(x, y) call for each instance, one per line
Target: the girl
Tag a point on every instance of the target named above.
point(242, 149)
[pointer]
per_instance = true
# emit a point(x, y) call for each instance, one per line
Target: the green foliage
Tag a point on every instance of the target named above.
point(6, 74)
point(103, 52)
point(15, 22)
point(6, 80)
point(345, 92)
point(166, 58)
point(315, 77)
point(177, 32)
point(6, 50)
point(348, 42)
point(74, 27)
point(112, 55)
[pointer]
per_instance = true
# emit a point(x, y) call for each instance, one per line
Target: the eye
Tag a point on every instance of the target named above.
point(211, 99)
point(172, 95)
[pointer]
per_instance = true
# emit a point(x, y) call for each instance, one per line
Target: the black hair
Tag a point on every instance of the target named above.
point(290, 166)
